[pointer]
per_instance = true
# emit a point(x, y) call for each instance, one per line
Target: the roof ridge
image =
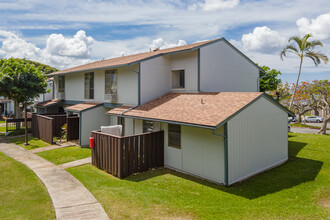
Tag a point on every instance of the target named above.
point(129, 59)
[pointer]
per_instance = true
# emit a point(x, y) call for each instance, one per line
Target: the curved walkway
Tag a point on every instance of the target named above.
point(70, 198)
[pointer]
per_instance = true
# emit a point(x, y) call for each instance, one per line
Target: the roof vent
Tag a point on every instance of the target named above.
point(156, 49)
point(202, 101)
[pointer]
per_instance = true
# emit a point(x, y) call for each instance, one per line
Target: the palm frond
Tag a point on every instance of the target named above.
point(318, 56)
point(297, 40)
point(290, 49)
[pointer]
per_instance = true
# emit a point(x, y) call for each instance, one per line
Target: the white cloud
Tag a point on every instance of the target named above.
point(214, 5)
point(263, 39)
point(161, 44)
point(60, 52)
point(79, 46)
point(319, 27)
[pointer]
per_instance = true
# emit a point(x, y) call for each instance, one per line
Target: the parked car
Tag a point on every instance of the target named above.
point(292, 119)
point(316, 119)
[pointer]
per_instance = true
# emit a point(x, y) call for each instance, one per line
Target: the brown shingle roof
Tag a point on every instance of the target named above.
point(129, 59)
point(48, 103)
point(82, 106)
point(187, 107)
point(4, 100)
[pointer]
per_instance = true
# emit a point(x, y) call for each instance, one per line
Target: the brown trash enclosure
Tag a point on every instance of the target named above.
point(122, 156)
point(48, 126)
point(13, 124)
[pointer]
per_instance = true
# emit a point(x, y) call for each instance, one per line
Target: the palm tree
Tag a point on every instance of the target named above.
point(303, 48)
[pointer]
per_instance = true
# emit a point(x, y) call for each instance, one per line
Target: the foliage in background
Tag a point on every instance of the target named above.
point(42, 67)
point(303, 48)
point(282, 93)
point(21, 82)
point(270, 81)
point(319, 99)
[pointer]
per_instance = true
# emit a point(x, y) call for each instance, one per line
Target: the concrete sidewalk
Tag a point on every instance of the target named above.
point(70, 198)
point(76, 163)
point(51, 147)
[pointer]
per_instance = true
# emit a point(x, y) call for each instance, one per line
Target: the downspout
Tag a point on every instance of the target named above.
point(139, 81)
point(258, 81)
point(225, 138)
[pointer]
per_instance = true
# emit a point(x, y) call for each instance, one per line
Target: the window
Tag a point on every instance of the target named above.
point(89, 85)
point(178, 79)
point(61, 84)
point(148, 126)
point(111, 82)
point(174, 136)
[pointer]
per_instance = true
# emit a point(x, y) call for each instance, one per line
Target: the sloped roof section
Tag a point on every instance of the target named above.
point(48, 103)
point(83, 106)
point(204, 109)
point(130, 59)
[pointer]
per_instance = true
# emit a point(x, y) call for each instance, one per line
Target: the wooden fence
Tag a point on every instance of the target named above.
point(72, 128)
point(122, 156)
point(45, 127)
point(13, 124)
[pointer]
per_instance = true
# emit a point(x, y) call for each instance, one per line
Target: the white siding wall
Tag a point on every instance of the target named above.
point(225, 70)
point(189, 62)
point(201, 153)
point(257, 140)
point(89, 122)
point(156, 77)
point(127, 86)
point(155, 80)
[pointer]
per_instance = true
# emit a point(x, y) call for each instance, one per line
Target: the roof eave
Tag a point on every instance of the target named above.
point(165, 121)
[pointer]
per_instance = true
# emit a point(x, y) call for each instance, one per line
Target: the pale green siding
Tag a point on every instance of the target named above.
point(201, 153)
point(92, 120)
point(257, 140)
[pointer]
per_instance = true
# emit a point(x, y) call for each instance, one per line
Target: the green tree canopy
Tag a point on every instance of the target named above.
point(21, 81)
point(270, 81)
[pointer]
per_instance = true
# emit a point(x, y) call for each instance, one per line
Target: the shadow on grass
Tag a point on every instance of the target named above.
point(294, 172)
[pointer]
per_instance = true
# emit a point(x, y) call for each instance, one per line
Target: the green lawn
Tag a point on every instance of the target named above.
point(299, 125)
point(2, 121)
point(34, 142)
point(65, 155)
point(2, 128)
point(298, 189)
point(22, 194)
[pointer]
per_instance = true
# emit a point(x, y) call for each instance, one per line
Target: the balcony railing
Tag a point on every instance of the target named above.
point(111, 97)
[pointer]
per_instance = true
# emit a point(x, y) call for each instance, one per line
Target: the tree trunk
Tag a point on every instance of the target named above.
point(17, 112)
point(299, 118)
point(26, 125)
point(296, 86)
point(324, 125)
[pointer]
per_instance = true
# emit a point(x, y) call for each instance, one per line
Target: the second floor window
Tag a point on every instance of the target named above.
point(89, 85)
point(178, 79)
point(61, 84)
point(111, 82)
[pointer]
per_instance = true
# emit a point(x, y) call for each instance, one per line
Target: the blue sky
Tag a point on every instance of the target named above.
point(69, 33)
